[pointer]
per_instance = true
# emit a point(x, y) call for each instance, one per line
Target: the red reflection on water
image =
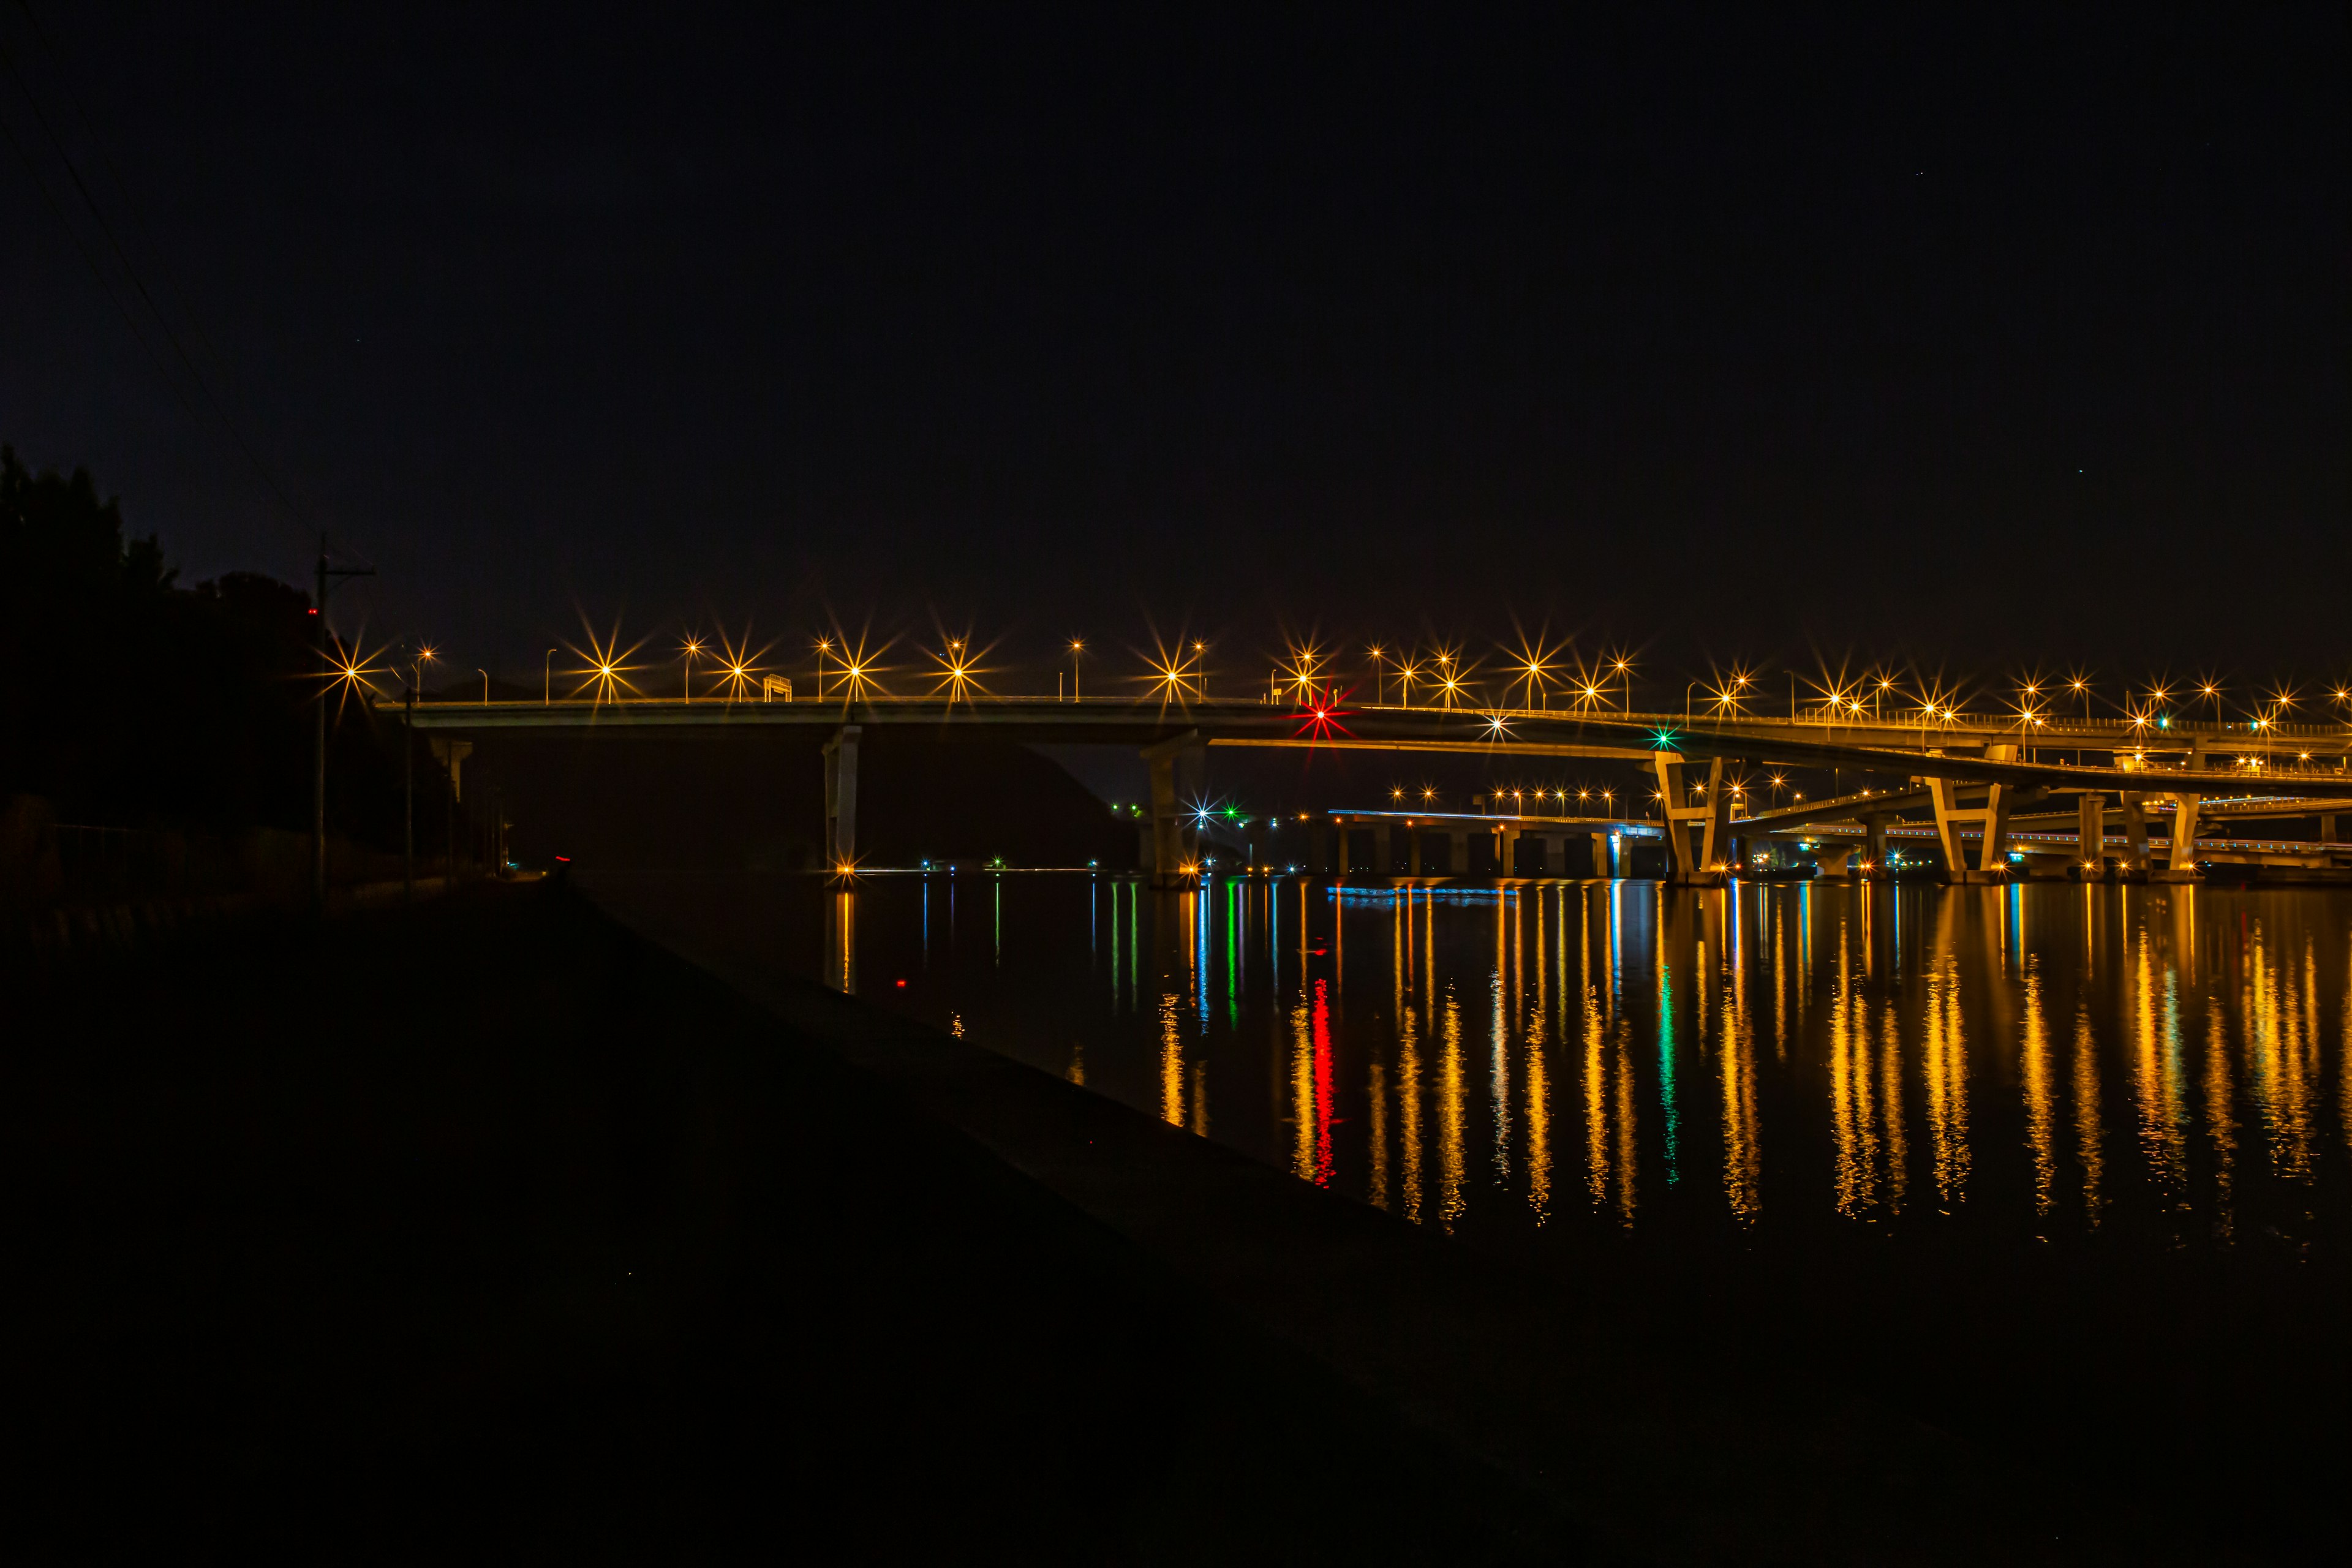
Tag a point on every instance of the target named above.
point(1322, 1084)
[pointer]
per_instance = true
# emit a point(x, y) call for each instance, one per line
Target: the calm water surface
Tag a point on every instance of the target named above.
point(2153, 1067)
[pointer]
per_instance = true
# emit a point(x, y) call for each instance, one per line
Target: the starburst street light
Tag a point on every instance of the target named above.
point(688, 650)
point(956, 676)
point(605, 675)
point(740, 665)
point(352, 673)
point(1174, 677)
point(1530, 669)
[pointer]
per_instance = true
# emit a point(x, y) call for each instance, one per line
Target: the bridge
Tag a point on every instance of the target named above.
point(1977, 776)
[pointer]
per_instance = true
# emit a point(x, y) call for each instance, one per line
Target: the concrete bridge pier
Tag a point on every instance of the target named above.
point(2180, 866)
point(1555, 855)
point(841, 798)
point(2090, 831)
point(1169, 852)
point(1412, 848)
point(2135, 834)
point(1699, 834)
point(1506, 851)
point(1873, 841)
point(1992, 850)
point(1457, 859)
point(1383, 853)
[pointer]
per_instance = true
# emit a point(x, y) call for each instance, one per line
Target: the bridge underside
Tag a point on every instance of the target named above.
point(1974, 780)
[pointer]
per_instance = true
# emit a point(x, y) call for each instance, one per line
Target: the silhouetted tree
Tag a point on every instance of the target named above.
point(127, 700)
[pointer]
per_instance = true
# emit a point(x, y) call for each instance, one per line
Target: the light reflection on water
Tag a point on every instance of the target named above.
point(2044, 1058)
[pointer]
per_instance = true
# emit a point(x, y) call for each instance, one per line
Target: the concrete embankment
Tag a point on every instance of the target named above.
point(494, 1226)
point(1631, 1443)
point(489, 1228)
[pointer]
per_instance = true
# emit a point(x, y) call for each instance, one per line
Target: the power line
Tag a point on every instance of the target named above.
point(213, 399)
point(89, 259)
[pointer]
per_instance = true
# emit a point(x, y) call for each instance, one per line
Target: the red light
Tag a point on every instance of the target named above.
point(566, 859)
point(902, 986)
point(311, 611)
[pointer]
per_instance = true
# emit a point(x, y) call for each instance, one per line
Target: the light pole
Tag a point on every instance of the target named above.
point(1380, 676)
point(824, 647)
point(327, 576)
point(693, 646)
point(546, 677)
point(408, 774)
point(1077, 647)
point(486, 684)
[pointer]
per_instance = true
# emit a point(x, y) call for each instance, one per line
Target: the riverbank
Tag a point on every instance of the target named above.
point(489, 1228)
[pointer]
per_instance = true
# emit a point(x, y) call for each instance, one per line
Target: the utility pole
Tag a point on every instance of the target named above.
point(318, 776)
point(408, 799)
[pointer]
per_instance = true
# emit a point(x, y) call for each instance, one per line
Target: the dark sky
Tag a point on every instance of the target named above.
point(1973, 340)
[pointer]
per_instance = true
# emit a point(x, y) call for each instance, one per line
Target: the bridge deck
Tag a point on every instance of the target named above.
point(1495, 732)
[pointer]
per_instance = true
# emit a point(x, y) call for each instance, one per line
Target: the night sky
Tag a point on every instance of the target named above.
point(1979, 341)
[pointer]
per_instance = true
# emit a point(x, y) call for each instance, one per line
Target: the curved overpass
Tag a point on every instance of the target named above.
point(1956, 763)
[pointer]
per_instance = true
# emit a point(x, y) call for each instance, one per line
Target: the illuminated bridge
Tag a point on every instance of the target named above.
point(1979, 779)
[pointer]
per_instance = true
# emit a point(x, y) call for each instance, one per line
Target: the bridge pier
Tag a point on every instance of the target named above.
point(1169, 856)
point(1873, 842)
point(1383, 855)
point(1555, 855)
point(1412, 848)
point(1992, 816)
point(841, 798)
point(1506, 851)
point(2135, 833)
point(1458, 851)
point(2090, 831)
point(1340, 847)
point(1697, 836)
point(2181, 865)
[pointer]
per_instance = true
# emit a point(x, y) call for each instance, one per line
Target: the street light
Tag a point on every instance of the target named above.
point(546, 677)
point(329, 578)
point(1077, 647)
point(693, 646)
point(408, 772)
point(824, 647)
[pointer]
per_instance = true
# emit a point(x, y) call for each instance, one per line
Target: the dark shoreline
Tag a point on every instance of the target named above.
point(492, 1229)
point(493, 1221)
